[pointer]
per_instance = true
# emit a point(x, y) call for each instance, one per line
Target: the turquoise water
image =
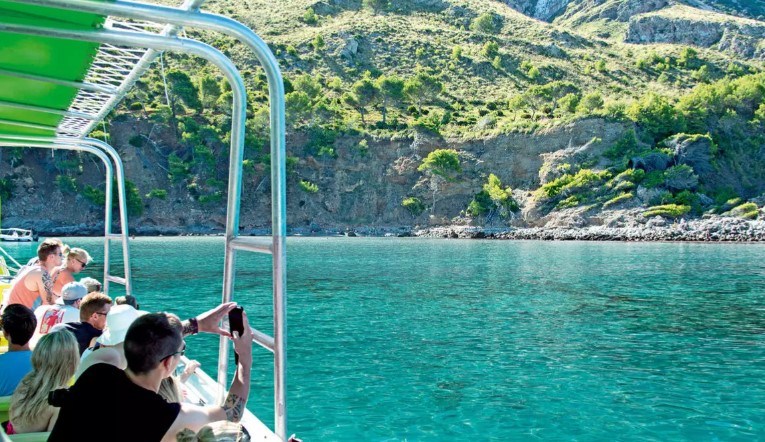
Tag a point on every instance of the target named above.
point(411, 339)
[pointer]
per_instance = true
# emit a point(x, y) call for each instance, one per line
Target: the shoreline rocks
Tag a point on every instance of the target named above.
point(713, 229)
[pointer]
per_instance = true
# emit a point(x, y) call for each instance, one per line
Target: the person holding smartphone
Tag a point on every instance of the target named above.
point(153, 347)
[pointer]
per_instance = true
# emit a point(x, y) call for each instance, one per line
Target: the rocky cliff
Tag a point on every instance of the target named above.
point(689, 26)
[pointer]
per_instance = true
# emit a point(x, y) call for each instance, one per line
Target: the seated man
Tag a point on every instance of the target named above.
point(127, 299)
point(153, 346)
point(92, 284)
point(93, 310)
point(65, 310)
point(18, 324)
point(34, 282)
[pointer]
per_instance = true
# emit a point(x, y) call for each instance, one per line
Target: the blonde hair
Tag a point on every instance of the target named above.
point(170, 390)
point(222, 431)
point(54, 361)
point(79, 254)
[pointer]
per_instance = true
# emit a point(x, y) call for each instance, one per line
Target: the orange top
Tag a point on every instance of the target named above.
point(61, 277)
point(21, 294)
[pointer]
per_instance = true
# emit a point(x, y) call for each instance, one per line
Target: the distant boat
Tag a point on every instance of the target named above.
point(17, 235)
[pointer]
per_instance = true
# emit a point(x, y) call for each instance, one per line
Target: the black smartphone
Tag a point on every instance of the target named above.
point(235, 322)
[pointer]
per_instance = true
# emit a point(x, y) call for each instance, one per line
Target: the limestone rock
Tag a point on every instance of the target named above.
point(652, 161)
point(694, 151)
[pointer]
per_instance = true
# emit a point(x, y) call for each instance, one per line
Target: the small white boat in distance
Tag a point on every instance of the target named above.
point(17, 235)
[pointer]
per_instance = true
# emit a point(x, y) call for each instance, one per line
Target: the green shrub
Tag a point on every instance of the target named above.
point(307, 186)
point(414, 205)
point(667, 211)
point(134, 200)
point(571, 201)
point(584, 179)
point(653, 179)
point(157, 193)
point(443, 162)
point(66, 184)
point(95, 196)
point(489, 50)
point(136, 141)
point(179, 170)
point(6, 189)
point(625, 146)
point(487, 23)
point(746, 211)
point(618, 199)
point(309, 17)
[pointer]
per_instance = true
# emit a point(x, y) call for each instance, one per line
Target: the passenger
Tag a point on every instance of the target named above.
point(93, 310)
point(153, 347)
point(54, 361)
point(18, 324)
point(76, 261)
point(65, 310)
point(127, 299)
point(35, 282)
point(170, 390)
point(92, 284)
point(36, 261)
point(109, 347)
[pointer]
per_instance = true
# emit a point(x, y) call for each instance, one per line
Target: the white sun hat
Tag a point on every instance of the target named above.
point(117, 323)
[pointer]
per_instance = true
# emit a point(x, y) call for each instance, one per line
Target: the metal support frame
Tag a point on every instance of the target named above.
point(109, 235)
point(245, 35)
point(157, 42)
point(225, 25)
point(56, 143)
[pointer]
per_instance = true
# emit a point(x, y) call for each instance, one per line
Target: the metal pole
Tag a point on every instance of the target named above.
point(12, 141)
point(241, 32)
point(121, 198)
point(120, 38)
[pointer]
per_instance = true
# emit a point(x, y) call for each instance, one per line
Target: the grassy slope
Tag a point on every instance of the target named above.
point(389, 43)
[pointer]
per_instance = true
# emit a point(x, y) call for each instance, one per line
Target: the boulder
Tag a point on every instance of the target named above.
point(693, 150)
point(650, 162)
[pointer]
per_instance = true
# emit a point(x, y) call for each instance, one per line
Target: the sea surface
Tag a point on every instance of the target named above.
point(462, 340)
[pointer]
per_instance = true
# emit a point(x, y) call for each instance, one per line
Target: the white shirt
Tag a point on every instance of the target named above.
point(51, 315)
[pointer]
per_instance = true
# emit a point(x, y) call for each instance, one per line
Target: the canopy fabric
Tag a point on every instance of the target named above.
point(44, 57)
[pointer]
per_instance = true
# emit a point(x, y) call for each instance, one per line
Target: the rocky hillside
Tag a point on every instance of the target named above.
point(436, 112)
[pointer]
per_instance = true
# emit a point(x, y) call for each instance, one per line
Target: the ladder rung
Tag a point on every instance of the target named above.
point(252, 244)
point(114, 236)
point(117, 279)
point(263, 340)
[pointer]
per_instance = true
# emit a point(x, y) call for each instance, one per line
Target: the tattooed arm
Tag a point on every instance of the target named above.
point(240, 387)
point(45, 287)
point(195, 417)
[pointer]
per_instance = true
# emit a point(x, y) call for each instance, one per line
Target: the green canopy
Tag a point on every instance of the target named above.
point(29, 103)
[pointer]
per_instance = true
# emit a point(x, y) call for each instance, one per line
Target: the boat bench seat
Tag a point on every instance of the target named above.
point(5, 403)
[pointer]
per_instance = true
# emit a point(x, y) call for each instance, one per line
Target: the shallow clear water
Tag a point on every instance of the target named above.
point(412, 339)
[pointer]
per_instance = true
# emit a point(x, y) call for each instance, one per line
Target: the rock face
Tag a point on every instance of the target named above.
point(616, 10)
point(741, 37)
point(540, 9)
point(694, 151)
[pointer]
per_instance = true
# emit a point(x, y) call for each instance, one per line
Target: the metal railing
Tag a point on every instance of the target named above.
point(234, 242)
point(109, 235)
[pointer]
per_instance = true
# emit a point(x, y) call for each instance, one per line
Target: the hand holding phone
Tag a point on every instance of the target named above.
point(236, 324)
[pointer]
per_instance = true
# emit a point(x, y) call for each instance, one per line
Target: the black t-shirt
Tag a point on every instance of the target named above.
point(84, 332)
point(104, 404)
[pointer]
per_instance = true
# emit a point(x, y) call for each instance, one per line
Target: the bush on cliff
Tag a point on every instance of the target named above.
point(667, 211)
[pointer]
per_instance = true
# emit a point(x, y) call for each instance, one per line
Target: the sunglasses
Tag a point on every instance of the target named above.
point(181, 352)
point(83, 264)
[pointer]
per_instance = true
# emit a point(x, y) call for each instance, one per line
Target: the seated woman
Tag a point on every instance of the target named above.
point(54, 361)
point(76, 261)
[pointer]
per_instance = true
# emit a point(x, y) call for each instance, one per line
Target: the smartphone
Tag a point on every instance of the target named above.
point(235, 322)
